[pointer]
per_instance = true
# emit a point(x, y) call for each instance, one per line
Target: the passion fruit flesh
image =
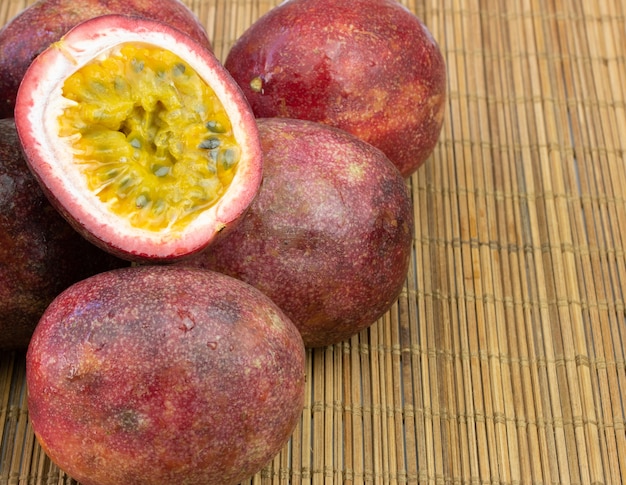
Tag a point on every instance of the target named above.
point(151, 137)
point(148, 146)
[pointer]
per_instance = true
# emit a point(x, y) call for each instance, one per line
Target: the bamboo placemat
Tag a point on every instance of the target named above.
point(503, 361)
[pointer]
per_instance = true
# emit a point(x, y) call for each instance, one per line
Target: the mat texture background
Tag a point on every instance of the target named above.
point(503, 361)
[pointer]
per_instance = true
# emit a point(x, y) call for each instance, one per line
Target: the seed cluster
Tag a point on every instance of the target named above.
point(152, 138)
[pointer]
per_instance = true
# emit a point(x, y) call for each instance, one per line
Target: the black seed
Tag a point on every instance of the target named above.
point(112, 173)
point(210, 143)
point(98, 87)
point(141, 201)
point(159, 206)
point(215, 127)
point(160, 170)
point(213, 154)
point(137, 64)
point(119, 84)
point(212, 165)
point(178, 69)
point(229, 158)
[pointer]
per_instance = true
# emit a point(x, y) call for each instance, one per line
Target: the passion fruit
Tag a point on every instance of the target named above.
point(139, 137)
point(44, 22)
point(40, 253)
point(328, 237)
point(369, 67)
point(164, 375)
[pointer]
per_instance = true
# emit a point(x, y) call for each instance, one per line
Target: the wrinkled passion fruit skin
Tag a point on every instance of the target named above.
point(369, 67)
point(328, 237)
point(46, 21)
point(40, 254)
point(164, 375)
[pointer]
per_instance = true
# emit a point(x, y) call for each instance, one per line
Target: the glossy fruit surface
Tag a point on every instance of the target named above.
point(163, 375)
point(139, 137)
point(328, 237)
point(40, 253)
point(46, 21)
point(370, 67)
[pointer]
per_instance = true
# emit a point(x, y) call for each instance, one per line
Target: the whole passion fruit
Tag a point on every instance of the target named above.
point(163, 375)
point(139, 137)
point(40, 253)
point(40, 24)
point(369, 67)
point(328, 237)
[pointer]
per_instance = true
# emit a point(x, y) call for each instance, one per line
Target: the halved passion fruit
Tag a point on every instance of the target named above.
point(139, 137)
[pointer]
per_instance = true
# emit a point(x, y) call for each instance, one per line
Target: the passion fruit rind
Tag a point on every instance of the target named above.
point(149, 148)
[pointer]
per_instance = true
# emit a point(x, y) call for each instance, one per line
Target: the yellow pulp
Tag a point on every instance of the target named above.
point(150, 136)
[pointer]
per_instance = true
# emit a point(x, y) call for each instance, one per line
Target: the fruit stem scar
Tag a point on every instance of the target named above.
point(257, 84)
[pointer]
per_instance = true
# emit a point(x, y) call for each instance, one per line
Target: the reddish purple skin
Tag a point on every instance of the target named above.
point(45, 22)
point(369, 67)
point(40, 253)
point(164, 375)
point(329, 235)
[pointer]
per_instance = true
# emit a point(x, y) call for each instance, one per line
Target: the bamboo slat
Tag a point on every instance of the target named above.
point(504, 359)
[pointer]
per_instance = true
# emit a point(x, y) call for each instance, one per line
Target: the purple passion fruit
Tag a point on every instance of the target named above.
point(328, 237)
point(40, 253)
point(139, 137)
point(164, 375)
point(46, 21)
point(369, 67)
